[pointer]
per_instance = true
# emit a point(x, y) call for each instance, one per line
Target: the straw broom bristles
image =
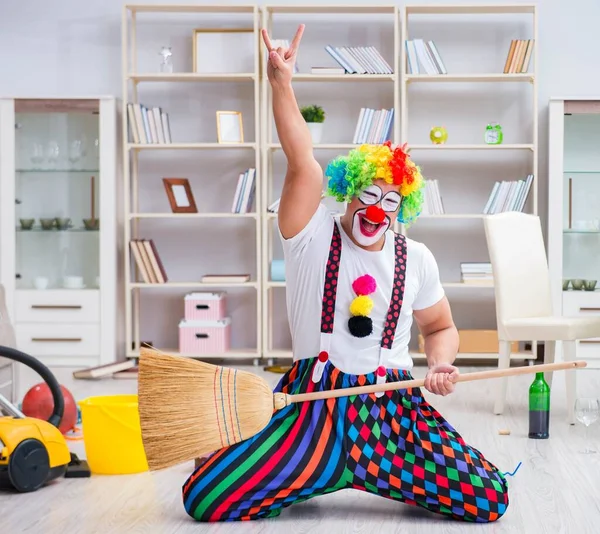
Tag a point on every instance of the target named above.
point(189, 408)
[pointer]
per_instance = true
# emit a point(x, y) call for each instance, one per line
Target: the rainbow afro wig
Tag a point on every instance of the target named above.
point(351, 174)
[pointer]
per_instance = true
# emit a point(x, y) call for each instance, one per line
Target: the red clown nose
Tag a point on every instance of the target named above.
point(375, 214)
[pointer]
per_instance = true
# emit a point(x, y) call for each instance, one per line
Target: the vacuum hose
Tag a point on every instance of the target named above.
point(46, 374)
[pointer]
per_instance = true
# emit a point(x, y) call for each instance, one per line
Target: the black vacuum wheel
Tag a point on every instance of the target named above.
point(29, 465)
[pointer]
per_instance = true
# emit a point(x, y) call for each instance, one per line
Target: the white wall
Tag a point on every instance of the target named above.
point(74, 48)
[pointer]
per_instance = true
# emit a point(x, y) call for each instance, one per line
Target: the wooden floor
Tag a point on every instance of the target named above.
point(556, 490)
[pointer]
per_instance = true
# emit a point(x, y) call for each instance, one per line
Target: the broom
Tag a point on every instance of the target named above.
point(189, 408)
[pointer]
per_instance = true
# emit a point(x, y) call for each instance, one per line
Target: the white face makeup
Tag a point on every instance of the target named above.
point(367, 232)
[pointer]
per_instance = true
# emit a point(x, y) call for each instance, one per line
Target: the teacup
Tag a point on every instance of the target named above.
point(47, 224)
point(91, 224)
point(577, 284)
point(40, 282)
point(26, 224)
point(73, 282)
point(589, 285)
point(63, 223)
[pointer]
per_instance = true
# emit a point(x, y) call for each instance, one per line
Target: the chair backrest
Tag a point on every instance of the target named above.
point(519, 265)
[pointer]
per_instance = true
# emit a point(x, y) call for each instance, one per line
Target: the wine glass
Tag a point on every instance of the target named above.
point(75, 151)
point(587, 411)
point(52, 152)
point(37, 154)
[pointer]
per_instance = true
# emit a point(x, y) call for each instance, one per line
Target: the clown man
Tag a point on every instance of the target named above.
point(353, 288)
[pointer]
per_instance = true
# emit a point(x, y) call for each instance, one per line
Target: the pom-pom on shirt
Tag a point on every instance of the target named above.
point(306, 257)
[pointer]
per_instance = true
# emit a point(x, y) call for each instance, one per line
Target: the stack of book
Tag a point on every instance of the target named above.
point(432, 200)
point(148, 261)
point(359, 59)
point(476, 273)
point(519, 56)
point(244, 193)
point(423, 58)
point(508, 196)
point(148, 125)
point(373, 126)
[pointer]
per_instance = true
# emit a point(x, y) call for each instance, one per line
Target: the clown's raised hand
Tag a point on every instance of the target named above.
point(280, 65)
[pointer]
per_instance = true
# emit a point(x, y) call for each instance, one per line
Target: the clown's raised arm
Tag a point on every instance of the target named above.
point(303, 183)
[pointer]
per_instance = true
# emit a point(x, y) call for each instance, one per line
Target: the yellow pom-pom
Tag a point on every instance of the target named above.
point(361, 305)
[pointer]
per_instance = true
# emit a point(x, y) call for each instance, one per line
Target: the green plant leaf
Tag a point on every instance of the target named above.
point(313, 113)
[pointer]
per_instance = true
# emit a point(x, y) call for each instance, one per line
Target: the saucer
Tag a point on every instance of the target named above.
point(75, 287)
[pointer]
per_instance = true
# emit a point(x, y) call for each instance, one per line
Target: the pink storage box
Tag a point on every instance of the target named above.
point(204, 337)
point(205, 306)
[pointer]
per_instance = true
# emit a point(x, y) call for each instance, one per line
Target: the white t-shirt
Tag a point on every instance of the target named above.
point(306, 256)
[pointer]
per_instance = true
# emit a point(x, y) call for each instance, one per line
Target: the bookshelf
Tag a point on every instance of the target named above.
point(281, 22)
point(386, 27)
point(145, 204)
point(430, 22)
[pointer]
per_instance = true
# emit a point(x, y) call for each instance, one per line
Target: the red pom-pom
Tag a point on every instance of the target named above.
point(402, 171)
point(364, 285)
point(375, 214)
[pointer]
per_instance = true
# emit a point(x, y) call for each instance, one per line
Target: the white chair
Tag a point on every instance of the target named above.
point(523, 298)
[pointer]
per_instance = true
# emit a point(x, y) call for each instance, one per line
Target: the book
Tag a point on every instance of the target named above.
point(359, 59)
point(373, 126)
point(225, 278)
point(131, 373)
point(148, 261)
point(423, 57)
point(148, 125)
point(327, 70)
point(508, 196)
point(432, 201)
point(104, 370)
point(519, 55)
point(244, 192)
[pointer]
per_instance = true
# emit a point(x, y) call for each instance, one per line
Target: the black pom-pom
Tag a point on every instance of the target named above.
point(360, 326)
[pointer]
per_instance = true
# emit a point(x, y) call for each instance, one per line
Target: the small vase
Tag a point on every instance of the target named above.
point(316, 131)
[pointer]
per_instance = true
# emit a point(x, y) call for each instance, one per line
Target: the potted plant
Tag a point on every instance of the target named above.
point(314, 117)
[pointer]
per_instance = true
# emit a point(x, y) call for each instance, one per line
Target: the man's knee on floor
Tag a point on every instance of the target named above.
point(491, 501)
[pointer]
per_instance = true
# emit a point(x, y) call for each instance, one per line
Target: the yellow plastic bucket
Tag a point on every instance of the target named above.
point(112, 435)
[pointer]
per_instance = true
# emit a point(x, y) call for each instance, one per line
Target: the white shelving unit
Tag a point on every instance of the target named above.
point(133, 181)
point(573, 204)
point(421, 151)
point(359, 13)
point(58, 158)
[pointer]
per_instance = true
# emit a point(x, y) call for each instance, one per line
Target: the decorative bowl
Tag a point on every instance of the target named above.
point(91, 224)
point(589, 285)
point(26, 224)
point(63, 223)
point(577, 284)
point(566, 284)
point(47, 224)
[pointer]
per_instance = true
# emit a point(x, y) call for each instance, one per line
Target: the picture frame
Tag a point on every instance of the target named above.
point(230, 128)
point(180, 195)
point(223, 50)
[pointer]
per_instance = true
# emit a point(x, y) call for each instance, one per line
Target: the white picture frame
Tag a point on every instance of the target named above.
point(223, 51)
point(229, 127)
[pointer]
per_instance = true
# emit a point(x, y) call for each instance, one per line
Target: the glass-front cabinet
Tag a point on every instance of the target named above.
point(58, 244)
point(574, 210)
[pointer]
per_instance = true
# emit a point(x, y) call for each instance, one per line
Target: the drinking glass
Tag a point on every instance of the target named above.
point(75, 151)
point(52, 152)
point(37, 154)
point(587, 411)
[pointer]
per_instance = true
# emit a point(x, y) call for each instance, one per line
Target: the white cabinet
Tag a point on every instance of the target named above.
point(574, 211)
point(59, 227)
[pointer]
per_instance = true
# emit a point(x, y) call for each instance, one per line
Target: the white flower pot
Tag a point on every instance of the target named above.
point(316, 131)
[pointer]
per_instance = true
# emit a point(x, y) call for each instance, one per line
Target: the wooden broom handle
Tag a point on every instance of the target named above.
point(407, 384)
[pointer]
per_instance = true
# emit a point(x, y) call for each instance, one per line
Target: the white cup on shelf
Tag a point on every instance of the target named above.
point(73, 282)
point(40, 282)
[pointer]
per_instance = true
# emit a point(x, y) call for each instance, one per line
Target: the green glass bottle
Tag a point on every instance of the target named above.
point(539, 408)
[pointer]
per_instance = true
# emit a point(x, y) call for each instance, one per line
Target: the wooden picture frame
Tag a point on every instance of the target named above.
point(230, 128)
point(223, 50)
point(180, 195)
